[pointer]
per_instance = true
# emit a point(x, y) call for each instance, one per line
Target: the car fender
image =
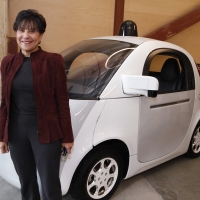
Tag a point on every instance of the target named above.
point(82, 145)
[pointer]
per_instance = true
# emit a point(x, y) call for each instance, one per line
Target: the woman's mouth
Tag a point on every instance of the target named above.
point(26, 42)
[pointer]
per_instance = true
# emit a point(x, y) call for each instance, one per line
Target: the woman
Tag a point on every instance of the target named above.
point(34, 114)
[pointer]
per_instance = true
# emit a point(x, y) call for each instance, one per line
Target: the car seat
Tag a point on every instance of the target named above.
point(170, 77)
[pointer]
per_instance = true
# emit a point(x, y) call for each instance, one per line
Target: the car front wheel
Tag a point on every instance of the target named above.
point(98, 175)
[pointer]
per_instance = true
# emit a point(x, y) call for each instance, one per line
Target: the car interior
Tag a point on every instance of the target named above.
point(169, 73)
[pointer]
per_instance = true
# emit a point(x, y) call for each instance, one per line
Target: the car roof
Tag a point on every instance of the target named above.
point(130, 39)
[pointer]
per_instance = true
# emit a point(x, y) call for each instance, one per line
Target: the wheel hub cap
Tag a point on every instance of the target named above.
point(102, 178)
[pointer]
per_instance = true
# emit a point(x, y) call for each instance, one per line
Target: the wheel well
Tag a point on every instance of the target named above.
point(122, 150)
point(114, 148)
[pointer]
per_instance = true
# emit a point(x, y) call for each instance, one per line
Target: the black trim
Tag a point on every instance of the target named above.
point(169, 104)
point(152, 93)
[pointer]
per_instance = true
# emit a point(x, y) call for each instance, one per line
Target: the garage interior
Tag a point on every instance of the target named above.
point(177, 22)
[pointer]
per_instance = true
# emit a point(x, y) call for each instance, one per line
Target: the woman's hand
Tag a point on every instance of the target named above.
point(68, 146)
point(3, 147)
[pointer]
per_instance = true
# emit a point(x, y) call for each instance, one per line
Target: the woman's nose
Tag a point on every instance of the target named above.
point(26, 34)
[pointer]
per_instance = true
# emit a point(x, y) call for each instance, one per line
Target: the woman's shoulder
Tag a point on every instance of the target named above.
point(7, 61)
point(8, 58)
point(51, 55)
point(53, 59)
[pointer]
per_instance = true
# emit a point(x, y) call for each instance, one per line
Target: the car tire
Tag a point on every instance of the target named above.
point(98, 175)
point(194, 147)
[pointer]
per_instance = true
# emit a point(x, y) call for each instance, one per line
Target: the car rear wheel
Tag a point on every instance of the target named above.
point(98, 175)
point(194, 148)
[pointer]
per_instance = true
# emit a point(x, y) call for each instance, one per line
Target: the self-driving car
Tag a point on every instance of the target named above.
point(134, 102)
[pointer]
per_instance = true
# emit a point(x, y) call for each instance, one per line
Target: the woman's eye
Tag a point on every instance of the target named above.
point(32, 31)
point(21, 30)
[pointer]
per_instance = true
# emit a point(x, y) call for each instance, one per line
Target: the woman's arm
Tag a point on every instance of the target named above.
point(62, 101)
point(3, 108)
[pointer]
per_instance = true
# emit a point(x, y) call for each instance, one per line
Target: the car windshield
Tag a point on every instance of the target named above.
point(90, 65)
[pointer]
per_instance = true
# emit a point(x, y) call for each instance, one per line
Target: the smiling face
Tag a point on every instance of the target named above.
point(28, 38)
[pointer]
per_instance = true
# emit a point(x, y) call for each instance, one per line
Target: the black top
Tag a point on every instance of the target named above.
point(22, 94)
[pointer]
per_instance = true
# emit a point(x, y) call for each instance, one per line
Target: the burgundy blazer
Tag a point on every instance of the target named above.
point(50, 90)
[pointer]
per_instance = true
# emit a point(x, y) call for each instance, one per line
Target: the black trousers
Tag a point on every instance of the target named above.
point(28, 156)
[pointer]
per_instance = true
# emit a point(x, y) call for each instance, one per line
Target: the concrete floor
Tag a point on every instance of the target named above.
point(177, 179)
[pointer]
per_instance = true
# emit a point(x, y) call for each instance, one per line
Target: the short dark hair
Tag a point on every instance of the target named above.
point(30, 19)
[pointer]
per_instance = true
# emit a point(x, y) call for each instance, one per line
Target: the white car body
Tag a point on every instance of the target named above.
point(152, 134)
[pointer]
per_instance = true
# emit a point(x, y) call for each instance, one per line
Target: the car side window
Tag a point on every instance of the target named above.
point(169, 72)
point(172, 69)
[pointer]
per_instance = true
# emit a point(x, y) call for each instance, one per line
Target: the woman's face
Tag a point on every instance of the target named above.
point(28, 40)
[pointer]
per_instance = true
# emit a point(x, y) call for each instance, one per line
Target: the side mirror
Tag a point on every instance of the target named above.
point(140, 85)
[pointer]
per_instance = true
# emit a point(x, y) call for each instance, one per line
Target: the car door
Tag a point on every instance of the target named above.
point(164, 120)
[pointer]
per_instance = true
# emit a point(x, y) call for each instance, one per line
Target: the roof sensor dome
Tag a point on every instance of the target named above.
point(128, 28)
